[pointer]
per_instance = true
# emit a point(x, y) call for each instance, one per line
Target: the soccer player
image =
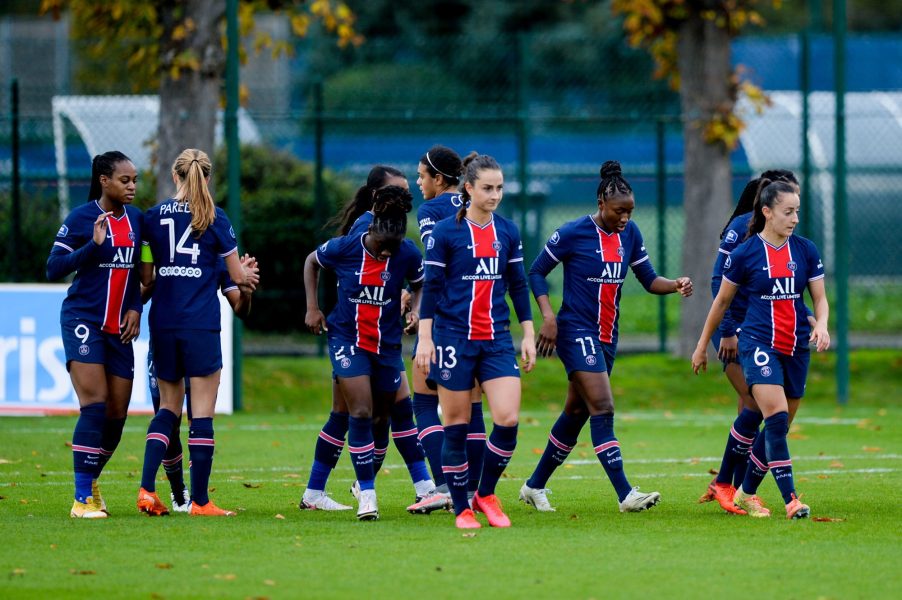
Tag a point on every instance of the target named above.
point(595, 251)
point(240, 301)
point(774, 266)
point(744, 430)
point(472, 260)
point(100, 317)
point(188, 235)
point(364, 328)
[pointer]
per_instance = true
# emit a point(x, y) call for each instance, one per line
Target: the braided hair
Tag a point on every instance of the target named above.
point(473, 163)
point(612, 182)
point(103, 164)
point(768, 192)
point(746, 202)
point(363, 199)
point(390, 207)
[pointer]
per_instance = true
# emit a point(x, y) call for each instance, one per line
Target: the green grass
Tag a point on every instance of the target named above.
point(672, 426)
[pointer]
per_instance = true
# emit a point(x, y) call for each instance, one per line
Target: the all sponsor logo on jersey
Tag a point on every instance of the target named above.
point(784, 285)
point(731, 237)
point(486, 269)
point(375, 294)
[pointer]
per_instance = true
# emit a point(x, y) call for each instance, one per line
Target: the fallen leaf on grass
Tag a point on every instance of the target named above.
point(532, 421)
point(6, 461)
point(694, 460)
point(882, 412)
point(269, 582)
point(568, 466)
point(82, 572)
point(468, 535)
point(164, 566)
point(276, 444)
point(226, 577)
point(280, 516)
point(712, 471)
point(827, 520)
point(252, 486)
point(802, 479)
point(292, 476)
point(17, 572)
point(583, 454)
point(797, 436)
point(53, 546)
point(23, 501)
point(2, 497)
point(871, 449)
point(823, 477)
point(574, 517)
point(836, 465)
point(538, 451)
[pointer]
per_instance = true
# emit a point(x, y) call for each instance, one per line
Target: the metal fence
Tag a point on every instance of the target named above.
point(551, 110)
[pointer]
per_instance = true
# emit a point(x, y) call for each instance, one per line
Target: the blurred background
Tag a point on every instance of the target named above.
point(551, 89)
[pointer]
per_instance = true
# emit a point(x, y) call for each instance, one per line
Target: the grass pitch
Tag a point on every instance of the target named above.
point(672, 427)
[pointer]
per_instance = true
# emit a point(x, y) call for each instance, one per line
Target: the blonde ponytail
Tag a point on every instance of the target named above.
point(193, 167)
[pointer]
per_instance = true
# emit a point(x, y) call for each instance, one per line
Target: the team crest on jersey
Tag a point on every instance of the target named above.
point(730, 237)
point(84, 349)
point(766, 371)
point(385, 275)
point(131, 235)
point(555, 237)
point(345, 362)
point(590, 360)
point(620, 251)
point(430, 244)
point(496, 246)
point(791, 265)
point(445, 374)
point(63, 232)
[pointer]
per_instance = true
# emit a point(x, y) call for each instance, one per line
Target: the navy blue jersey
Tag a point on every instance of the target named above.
point(774, 279)
point(361, 225)
point(106, 284)
point(469, 268)
point(368, 312)
point(187, 266)
point(432, 211)
point(594, 271)
point(735, 234)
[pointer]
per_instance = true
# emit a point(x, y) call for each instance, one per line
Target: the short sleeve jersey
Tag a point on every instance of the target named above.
point(774, 278)
point(474, 260)
point(361, 224)
point(368, 312)
point(595, 262)
point(187, 266)
point(107, 286)
point(734, 236)
point(432, 211)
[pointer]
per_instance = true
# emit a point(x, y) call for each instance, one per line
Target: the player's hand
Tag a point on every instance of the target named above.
point(729, 348)
point(251, 274)
point(130, 326)
point(820, 337)
point(528, 353)
point(315, 321)
point(413, 322)
point(700, 359)
point(547, 336)
point(100, 227)
point(405, 303)
point(684, 286)
point(425, 354)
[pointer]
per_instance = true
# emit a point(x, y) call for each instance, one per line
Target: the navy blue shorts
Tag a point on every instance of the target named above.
point(85, 343)
point(585, 353)
point(186, 353)
point(155, 388)
point(384, 370)
point(762, 364)
point(458, 361)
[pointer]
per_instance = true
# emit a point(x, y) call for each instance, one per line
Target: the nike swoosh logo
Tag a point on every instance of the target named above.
point(765, 268)
point(358, 273)
point(470, 247)
point(397, 380)
point(612, 452)
point(460, 477)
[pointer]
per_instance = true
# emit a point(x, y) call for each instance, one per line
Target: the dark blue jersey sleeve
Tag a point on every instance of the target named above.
point(63, 261)
point(436, 262)
point(640, 262)
point(516, 280)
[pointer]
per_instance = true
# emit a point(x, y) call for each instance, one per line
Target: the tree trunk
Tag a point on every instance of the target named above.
point(188, 103)
point(703, 54)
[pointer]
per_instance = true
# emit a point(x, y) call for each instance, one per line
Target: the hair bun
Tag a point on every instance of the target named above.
point(610, 168)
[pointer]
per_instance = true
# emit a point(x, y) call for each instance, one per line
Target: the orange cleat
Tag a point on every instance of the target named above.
point(753, 505)
point(150, 503)
point(209, 510)
point(796, 510)
point(491, 506)
point(723, 493)
point(467, 520)
point(709, 495)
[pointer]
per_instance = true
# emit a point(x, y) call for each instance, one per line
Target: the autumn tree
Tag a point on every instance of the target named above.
point(690, 42)
point(178, 48)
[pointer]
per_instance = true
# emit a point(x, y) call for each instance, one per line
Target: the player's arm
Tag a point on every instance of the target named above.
point(519, 293)
point(656, 284)
point(412, 317)
point(65, 258)
point(314, 319)
point(544, 263)
point(147, 271)
point(819, 334)
point(715, 316)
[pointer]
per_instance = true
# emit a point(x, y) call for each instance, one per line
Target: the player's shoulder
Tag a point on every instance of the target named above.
point(801, 242)
point(506, 225)
point(88, 210)
point(737, 230)
point(445, 225)
point(134, 213)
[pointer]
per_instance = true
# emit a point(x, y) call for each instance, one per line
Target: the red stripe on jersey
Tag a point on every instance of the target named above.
point(483, 244)
point(782, 312)
point(607, 292)
point(369, 335)
point(120, 231)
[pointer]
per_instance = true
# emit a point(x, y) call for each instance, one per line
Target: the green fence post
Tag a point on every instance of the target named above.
point(16, 220)
point(319, 194)
point(661, 180)
point(840, 218)
point(233, 152)
point(522, 134)
point(805, 80)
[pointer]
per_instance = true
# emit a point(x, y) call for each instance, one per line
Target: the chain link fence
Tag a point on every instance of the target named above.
point(551, 109)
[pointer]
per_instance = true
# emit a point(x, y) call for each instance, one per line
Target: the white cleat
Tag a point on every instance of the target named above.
point(182, 505)
point(355, 490)
point(430, 503)
point(367, 510)
point(637, 501)
point(537, 497)
point(318, 500)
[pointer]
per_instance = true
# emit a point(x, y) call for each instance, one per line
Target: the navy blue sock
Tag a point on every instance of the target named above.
point(360, 447)
point(112, 434)
point(155, 445)
point(329, 444)
point(607, 449)
point(475, 445)
point(200, 451)
point(172, 462)
point(561, 442)
point(86, 440)
point(740, 440)
point(431, 436)
point(775, 429)
point(498, 451)
point(380, 445)
point(756, 470)
point(454, 465)
point(404, 434)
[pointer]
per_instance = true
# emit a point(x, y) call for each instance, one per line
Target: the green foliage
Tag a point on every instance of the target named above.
point(40, 221)
point(281, 226)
